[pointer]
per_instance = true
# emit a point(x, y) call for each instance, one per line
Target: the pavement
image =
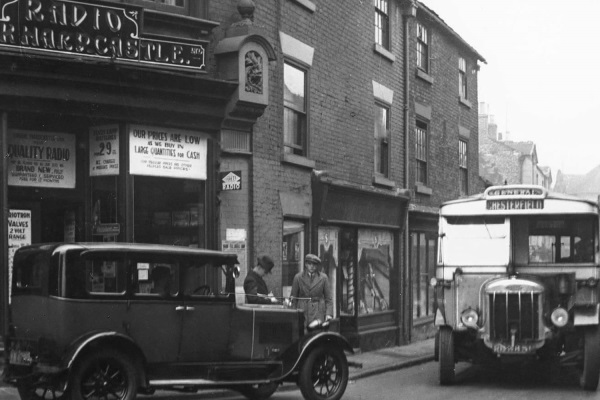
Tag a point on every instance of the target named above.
point(361, 365)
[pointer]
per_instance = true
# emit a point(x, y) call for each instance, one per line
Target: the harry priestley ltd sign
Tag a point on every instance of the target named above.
point(91, 30)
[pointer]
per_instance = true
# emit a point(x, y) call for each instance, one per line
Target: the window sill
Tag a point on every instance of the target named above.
point(299, 161)
point(237, 152)
point(382, 51)
point(422, 189)
point(424, 76)
point(383, 181)
point(465, 102)
point(309, 5)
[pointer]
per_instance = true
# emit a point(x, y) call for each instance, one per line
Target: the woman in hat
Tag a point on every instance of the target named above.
point(311, 292)
point(254, 285)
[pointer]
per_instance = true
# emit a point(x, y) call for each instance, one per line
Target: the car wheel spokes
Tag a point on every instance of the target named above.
point(105, 381)
point(326, 375)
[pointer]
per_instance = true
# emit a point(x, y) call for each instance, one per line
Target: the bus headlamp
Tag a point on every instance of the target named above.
point(470, 318)
point(559, 317)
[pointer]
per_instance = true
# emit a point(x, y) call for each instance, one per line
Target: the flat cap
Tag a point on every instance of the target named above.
point(312, 258)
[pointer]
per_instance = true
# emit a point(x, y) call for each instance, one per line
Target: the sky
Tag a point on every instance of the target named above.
point(542, 78)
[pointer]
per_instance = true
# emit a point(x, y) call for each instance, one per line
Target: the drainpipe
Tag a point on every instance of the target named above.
point(409, 12)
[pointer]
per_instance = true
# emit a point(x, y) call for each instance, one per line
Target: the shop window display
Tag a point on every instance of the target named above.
point(328, 253)
point(375, 252)
point(169, 211)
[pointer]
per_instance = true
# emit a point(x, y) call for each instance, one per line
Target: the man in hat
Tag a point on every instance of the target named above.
point(311, 292)
point(254, 285)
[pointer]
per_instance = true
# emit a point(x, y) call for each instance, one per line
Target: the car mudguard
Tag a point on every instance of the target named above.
point(105, 338)
point(293, 357)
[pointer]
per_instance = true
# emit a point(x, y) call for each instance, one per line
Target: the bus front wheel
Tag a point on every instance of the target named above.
point(446, 355)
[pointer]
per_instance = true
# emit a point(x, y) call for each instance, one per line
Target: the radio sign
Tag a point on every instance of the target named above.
point(231, 180)
point(93, 30)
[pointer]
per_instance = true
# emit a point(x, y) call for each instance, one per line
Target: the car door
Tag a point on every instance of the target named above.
point(155, 310)
point(205, 334)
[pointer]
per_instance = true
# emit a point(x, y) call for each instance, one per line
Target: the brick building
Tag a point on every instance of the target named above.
point(503, 161)
point(272, 128)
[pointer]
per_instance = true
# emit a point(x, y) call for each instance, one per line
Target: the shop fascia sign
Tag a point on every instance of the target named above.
point(87, 29)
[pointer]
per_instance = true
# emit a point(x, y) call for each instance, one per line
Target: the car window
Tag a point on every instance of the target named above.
point(197, 280)
point(156, 279)
point(106, 274)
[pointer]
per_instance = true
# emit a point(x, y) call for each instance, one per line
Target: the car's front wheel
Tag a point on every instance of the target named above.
point(324, 374)
point(259, 392)
point(107, 374)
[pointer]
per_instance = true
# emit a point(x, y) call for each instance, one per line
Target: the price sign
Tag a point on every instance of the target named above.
point(104, 150)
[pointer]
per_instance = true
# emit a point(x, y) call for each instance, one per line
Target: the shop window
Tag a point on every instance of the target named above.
point(169, 211)
point(328, 253)
point(375, 263)
point(422, 263)
point(292, 254)
point(347, 267)
point(105, 221)
point(294, 113)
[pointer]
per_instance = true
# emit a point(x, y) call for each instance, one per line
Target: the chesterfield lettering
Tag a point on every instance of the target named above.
point(88, 29)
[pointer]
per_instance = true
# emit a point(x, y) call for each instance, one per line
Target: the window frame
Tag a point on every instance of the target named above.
point(463, 158)
point(462, 78)
point(418, 285)
point(382, 23)
point(299, 149)
point(381, 161)
point(423, 39)
point(421, 157)
point(191, 8)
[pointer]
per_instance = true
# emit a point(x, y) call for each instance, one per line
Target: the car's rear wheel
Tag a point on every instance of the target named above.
point(106, 374)
point(30, 392)
point(259, 392)
point(324, 374)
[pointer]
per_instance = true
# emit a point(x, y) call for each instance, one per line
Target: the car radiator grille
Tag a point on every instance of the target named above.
point(514, 312)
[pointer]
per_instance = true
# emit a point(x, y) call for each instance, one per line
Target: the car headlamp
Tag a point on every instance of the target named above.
point(559, 317)
point(470, 318)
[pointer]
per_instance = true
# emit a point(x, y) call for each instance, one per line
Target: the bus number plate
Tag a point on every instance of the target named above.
point(516, 349)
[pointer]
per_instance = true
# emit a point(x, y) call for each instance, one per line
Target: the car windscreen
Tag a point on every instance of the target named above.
point(475, 241)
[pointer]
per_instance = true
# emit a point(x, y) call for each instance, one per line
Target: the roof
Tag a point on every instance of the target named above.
point(126, 248)
point(451, 31)
point(577, 184)
point(526, 148)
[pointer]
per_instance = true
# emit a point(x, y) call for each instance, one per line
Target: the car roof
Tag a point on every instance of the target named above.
point(132, 248)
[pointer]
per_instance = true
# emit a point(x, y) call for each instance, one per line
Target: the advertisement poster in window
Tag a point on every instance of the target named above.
point(19, 235)
point(41, 159)
point(167, 152)
point(375, 260)
point(237, 247)
point(104, 150)
point(328, 253)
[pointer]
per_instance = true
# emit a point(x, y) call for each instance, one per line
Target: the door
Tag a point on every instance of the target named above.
point(205, 335)
point(155, 313)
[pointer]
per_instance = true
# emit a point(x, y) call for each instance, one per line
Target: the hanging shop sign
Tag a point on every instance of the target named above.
point(41, 159)
point(231, 180)
point(104, 150)
point(167, 152)
point(87, 29)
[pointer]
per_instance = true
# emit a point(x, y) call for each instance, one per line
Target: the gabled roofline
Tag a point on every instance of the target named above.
point(451, 31)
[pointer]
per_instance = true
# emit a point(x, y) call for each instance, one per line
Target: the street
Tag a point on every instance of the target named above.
point(421, 382)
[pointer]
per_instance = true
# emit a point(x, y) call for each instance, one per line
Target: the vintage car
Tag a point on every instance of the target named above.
point(111, 320)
